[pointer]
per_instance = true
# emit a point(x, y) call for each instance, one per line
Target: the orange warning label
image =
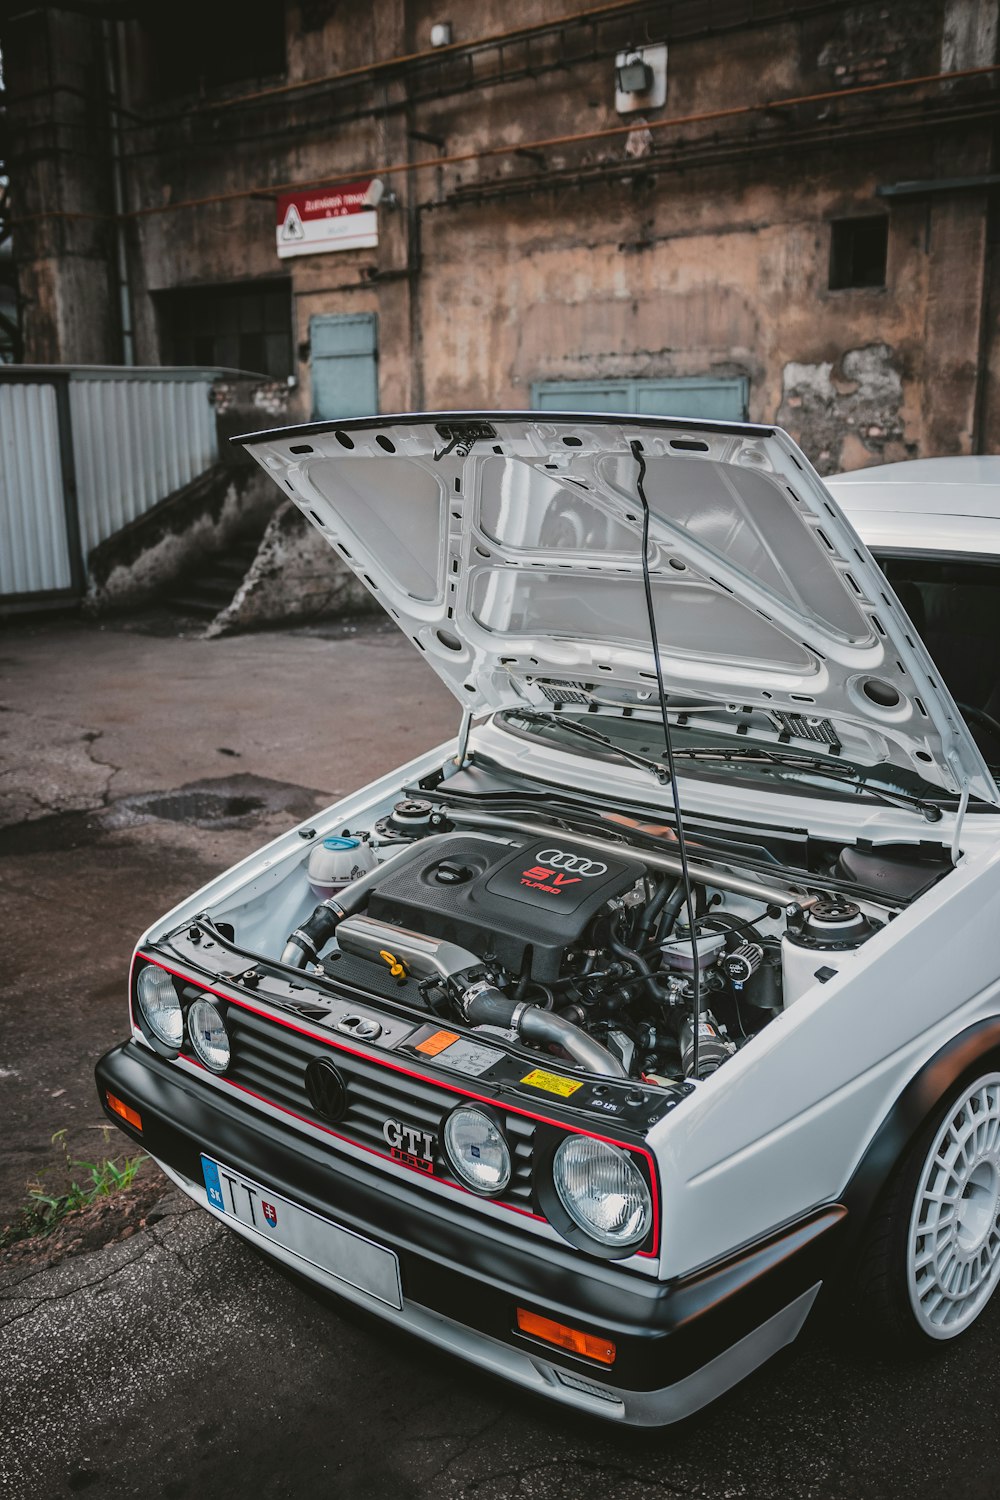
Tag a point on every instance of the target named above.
point(432, 1045)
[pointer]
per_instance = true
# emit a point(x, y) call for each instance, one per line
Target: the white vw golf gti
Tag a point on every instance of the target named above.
point(598, 1044)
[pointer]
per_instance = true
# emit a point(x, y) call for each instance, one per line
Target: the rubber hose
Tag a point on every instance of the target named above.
point(548, 999)
point(671, 911)
point(653, 909)
point(641, 967)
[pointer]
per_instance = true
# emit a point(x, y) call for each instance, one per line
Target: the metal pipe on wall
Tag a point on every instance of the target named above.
point(110, 35)
point(488, 153)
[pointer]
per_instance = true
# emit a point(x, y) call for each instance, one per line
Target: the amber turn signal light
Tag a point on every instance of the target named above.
point(589, 1345)
point(119, 1107)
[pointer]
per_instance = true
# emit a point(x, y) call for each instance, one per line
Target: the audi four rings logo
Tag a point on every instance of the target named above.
point(574, 864)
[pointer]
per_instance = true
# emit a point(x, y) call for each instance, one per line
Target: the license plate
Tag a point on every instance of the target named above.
point(339, 1252)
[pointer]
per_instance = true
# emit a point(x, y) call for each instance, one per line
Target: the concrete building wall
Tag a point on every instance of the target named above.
point(54, 64)
point(699, 249)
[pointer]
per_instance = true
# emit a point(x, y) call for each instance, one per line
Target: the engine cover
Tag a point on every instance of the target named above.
point(502, 902)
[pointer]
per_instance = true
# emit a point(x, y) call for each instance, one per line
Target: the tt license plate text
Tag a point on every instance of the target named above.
point(339, 1252)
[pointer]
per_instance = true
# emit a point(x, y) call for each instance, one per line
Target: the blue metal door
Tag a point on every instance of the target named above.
point(713, 397)
point(344, 360)
point(582, 395)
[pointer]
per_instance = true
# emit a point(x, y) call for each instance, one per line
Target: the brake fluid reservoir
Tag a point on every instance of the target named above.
point(335, 862)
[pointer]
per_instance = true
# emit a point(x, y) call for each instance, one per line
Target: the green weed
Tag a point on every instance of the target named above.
point(88, 1181)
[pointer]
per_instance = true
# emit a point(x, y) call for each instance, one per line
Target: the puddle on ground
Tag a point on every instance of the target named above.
point(200, 807)
point(219, 802)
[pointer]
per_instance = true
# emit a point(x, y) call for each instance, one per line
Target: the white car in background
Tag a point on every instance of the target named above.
point(594, 1045)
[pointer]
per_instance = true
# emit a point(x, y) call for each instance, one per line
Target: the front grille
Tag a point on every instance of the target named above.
point(271, 1060)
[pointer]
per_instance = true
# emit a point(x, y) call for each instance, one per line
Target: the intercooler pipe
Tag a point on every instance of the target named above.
point(307, 942)
point(481, 1002)
point(484, 1005)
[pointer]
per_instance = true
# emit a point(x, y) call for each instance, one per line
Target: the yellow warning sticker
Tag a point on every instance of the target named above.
point(552, 1083)
point(432, 1045)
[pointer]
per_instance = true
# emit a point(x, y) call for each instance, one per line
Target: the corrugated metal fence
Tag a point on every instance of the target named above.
point(84, 450)
point(36, 548)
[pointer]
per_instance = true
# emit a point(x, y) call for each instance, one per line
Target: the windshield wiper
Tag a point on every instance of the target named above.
point(585, 732)
point(746, 755)
point(814, 766)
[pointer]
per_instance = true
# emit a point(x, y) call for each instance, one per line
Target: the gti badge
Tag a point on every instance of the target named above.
point(412, 1147)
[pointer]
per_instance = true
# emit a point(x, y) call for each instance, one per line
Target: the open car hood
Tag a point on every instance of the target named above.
point(507, 546)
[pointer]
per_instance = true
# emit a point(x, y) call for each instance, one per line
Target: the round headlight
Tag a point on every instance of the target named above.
point(477, 1150)
point(602, 1190)
point(160, 1007)
point(208, 1034)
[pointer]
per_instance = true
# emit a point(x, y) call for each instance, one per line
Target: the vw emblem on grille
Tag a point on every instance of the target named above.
point(326, 1089)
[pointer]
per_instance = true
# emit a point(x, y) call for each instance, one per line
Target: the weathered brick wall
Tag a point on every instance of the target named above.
point(702, 249)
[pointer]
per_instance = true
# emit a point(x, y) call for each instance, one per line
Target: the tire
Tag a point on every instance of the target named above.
point(931, 1258)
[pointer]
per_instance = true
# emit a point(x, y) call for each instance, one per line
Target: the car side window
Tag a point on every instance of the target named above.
point(955, 608)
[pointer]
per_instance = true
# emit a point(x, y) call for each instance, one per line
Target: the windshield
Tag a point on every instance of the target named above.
point(955, 607)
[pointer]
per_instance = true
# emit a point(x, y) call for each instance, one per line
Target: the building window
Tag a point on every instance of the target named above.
point(193, 47)
point(858, 251)
point(713, 398)
point(243, 327)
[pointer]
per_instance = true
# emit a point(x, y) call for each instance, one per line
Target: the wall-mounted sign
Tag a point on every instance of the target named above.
point(326, 219)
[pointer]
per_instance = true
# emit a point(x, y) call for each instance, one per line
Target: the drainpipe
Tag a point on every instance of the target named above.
point(118, 188)
point(982, 388)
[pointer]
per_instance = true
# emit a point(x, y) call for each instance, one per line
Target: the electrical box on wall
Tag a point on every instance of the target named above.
point(640, 79)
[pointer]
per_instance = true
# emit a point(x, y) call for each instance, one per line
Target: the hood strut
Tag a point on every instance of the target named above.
point(959, 822)
point(464, 730)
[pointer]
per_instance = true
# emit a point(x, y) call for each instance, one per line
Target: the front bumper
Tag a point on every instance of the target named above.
point(680, 1343)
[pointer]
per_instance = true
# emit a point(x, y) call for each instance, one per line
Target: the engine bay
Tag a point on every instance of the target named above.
point(562, 939)
point(533, 887)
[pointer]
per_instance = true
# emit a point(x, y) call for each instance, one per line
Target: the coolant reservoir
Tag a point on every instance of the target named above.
point(335, 862)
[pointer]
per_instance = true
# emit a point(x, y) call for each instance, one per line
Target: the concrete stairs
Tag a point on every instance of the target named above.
point(209, 588)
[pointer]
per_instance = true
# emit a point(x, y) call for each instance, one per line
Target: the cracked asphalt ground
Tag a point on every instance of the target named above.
point(91, 718)
point(179, 1363)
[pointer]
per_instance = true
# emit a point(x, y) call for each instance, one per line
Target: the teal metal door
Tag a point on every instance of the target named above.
point(344, 361)
point(715, 398)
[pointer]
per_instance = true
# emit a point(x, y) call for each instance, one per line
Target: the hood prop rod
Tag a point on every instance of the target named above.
point(685, 870)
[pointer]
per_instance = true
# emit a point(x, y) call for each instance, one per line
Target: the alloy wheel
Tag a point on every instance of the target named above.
point(953, 1247)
